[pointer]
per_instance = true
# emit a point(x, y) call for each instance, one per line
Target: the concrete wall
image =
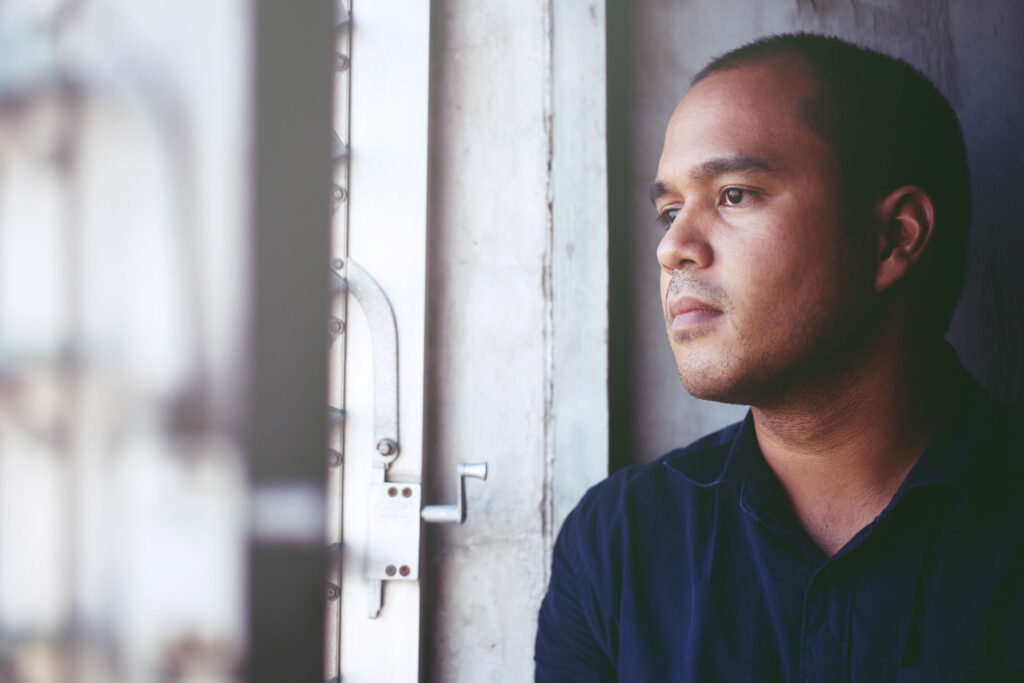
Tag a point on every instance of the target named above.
point(516, 318)
point(487, 336)
point(971, 50)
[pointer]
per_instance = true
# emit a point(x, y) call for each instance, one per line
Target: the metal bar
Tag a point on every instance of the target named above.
point(384, 334)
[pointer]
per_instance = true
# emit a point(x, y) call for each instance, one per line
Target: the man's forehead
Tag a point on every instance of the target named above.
point(776, 89)
point(747, 112)
point(771, 75)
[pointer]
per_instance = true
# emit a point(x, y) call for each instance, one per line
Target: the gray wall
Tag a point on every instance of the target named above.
point(486, 377)
point(972, 50)
point(517, 315)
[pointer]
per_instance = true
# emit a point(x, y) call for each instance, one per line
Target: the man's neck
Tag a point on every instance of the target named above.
point(841, 449)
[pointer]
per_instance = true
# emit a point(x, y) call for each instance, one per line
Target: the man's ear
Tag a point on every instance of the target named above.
point(906, 220)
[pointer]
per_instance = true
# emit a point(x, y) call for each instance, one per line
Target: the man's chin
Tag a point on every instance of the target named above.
point(712, 379)
point(707, 391)
point(730, 380)
point(705, 386)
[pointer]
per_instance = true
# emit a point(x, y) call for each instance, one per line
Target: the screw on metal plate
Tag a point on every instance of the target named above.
point(339, 193)
point(337, 264)
point(333, 592)
point(336, 326)
point(387, 447)
point(333, 458)
point(390, 571)
point(341, 61)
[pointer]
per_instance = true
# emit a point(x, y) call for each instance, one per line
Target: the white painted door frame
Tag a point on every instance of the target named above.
point(387, 218)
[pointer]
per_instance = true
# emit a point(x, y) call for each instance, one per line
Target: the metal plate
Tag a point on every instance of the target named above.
point(393, 551)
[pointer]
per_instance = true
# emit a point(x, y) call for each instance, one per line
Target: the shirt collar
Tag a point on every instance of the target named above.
point(966, 419)
point(732, 456)
point(717, 458)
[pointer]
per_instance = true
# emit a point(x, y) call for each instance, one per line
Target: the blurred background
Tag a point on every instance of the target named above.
point(186, 403)
point(123, 267)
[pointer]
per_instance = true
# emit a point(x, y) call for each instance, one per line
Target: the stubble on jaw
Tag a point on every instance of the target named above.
point(732, 363)
point(721, 378)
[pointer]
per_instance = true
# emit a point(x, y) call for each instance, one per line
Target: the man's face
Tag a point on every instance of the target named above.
point(763, 278)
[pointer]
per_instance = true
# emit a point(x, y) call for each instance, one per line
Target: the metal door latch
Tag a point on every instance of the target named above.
point(394, 538)
point(393, 546)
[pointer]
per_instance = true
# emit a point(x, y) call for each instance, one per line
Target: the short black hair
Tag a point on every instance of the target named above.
point(888, 126)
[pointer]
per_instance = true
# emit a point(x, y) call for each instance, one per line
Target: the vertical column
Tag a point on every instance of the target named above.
point(287, 427)
point(518, 366)
point(579, 255)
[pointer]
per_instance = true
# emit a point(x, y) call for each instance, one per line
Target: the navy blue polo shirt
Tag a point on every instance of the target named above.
point(695, 568)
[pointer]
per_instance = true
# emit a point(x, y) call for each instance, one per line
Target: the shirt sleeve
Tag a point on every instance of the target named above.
point(566, 649)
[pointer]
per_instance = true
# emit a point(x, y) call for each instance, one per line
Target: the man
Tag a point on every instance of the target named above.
point(864, 523)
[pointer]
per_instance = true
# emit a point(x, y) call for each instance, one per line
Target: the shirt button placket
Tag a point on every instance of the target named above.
point(824, 637)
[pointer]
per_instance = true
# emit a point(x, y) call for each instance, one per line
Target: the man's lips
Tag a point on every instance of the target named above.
point(687, 312)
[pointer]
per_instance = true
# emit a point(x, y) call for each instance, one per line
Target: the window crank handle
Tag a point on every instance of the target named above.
point(455, 514)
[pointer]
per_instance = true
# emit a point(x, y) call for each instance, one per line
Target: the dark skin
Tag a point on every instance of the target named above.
point(777, 297)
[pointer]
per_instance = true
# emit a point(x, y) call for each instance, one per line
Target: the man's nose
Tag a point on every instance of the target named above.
point(685, 243)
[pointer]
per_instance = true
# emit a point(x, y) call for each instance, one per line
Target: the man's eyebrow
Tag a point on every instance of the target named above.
point(711, 168)
point(658, 188)
point(730, 164)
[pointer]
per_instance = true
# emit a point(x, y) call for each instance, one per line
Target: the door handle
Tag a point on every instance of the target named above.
point(455, 514)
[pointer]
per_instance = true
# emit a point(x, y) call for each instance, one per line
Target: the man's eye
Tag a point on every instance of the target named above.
point(733, 196)
point(667, 217)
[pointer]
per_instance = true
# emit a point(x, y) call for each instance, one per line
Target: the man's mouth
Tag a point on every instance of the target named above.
point(686, 313)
